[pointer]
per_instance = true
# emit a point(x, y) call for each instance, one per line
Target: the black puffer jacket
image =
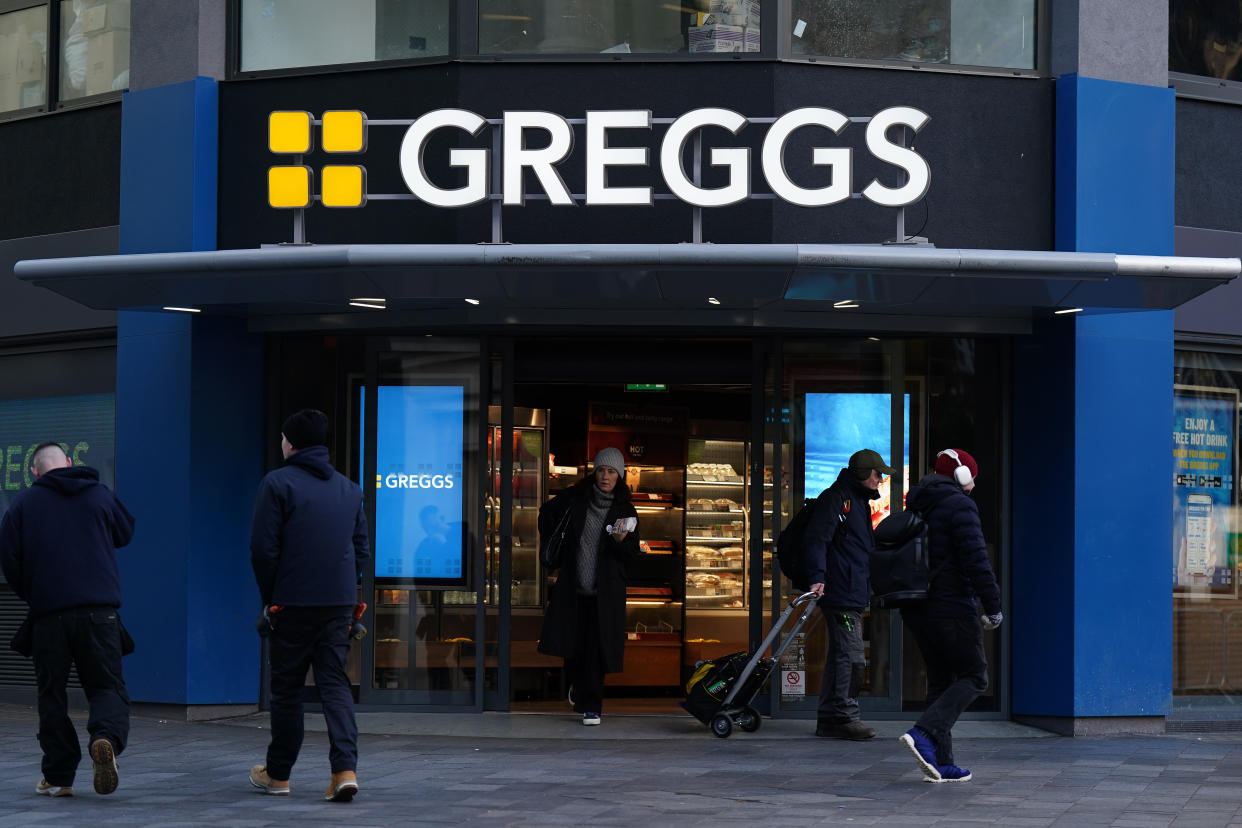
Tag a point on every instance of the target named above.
point(557, 637)
point(841, 559)
point(955, 534)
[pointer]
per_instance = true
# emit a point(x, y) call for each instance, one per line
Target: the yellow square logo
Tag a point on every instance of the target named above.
point(289, 187)
point(289, 132)
point(344, 130)
point(343, 186)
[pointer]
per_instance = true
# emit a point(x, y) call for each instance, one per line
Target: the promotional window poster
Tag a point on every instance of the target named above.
point(419, 486)
point(1204, 539)
point(85, 425)
point(839, 424)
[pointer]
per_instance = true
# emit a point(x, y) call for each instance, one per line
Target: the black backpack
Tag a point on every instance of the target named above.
point(790, 542)
point(900, 564)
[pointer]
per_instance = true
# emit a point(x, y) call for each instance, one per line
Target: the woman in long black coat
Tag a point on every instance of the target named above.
point(585, 619)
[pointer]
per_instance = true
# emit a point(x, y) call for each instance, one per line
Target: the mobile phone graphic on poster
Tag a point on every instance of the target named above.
point(1199, 534)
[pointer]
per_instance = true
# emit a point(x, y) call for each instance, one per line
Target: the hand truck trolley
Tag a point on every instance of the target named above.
point(720, 692)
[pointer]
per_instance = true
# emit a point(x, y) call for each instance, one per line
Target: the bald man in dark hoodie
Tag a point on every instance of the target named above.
point(58, 545)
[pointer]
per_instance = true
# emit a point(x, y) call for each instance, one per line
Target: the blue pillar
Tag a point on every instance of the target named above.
point(189, 425)
point(1092, 607)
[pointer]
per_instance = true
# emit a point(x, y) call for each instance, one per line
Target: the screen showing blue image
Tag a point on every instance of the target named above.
point(418, 482)
point(839, 424)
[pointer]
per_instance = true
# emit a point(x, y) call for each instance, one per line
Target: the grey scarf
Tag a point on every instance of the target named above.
point(598, 504)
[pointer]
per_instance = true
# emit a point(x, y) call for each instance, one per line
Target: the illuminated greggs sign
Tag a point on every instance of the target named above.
point(541, 141)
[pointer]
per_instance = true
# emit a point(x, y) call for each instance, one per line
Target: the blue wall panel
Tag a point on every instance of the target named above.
point(1092, 631)
point(1123, 476)
point(189, 425)
point(152, 470)
point(1115, 166)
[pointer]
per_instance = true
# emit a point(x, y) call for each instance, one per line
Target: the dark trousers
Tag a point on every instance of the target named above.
point(585, 670)
point(315, 637)
point(957, 673)
point(90, 639)
point(844, 666)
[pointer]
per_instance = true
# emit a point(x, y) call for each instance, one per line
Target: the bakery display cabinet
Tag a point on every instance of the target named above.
point(653, 603)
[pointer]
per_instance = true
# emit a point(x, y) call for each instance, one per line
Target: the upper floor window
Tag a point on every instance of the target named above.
point(286, 34)
point(1205, 38)
point(581, 27)
point(90, 55)
point(991, 33)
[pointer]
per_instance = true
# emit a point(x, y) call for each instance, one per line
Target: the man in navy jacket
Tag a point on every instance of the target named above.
point(58, 544)
point(308, 547)
point(944, 626)
point(837, 555)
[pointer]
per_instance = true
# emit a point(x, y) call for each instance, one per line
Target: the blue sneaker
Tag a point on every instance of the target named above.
point(952, 773)
point(920, 746)
point(590, 718)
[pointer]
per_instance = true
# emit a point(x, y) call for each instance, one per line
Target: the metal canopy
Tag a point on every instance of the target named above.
point(758, 284)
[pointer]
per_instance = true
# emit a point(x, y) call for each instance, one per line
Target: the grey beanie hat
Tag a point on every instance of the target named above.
point(611, 457)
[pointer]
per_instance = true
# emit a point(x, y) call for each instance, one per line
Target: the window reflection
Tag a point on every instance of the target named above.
point(283, 34)
point(23, 59)
point(94, 47)
point(1205, 38)
point(998, 33)
point(618, 26)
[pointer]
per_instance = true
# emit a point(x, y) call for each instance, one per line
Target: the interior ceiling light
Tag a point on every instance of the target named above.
point(372, 302)
point(1068, 310)
point(472, 301)
point(183, 310)
point(712, 300)
point(845, 303)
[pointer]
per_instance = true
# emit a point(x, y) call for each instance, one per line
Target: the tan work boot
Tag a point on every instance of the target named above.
point(45, 788)
point(104, 757)
point(342, 788)
point(260, 779)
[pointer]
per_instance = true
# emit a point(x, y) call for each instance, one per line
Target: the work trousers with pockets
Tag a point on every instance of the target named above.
point(844, 666)
point(315, 637)
point(88, 638)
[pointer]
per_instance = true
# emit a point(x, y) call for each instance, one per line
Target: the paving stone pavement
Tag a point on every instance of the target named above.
point(448, 769)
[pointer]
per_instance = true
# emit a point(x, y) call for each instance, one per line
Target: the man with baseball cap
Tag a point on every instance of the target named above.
point(944, 626)
point(837, 552)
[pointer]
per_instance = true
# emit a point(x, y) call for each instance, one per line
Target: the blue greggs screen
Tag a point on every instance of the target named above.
point(837, 425)
point(418, 482)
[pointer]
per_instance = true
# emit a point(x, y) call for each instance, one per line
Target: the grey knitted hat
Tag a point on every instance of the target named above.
point(611, 457)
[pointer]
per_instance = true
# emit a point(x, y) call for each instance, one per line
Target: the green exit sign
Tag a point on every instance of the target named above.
point(645, 386)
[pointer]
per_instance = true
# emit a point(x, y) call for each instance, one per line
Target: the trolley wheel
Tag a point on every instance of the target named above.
point(721, 725)
point(749, 720)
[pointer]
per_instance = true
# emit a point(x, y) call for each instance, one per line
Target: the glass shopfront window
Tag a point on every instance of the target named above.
point(1205, 38)
point(94, 47)
point(285, 34)
point(1207, 604)
point(906, 400)
point(23, 58)
point(575, 27)
point(994, 33)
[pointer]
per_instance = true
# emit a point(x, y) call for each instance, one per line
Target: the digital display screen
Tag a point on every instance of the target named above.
point(839, 424)
point(419, 488)
point(84, 425)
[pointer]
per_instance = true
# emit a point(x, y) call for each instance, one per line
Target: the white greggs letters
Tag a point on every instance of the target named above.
point(556, 139)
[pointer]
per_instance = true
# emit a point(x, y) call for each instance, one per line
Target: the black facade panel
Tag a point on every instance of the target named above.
point(62, 172)
point(998, 193)
point(1205, 193)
